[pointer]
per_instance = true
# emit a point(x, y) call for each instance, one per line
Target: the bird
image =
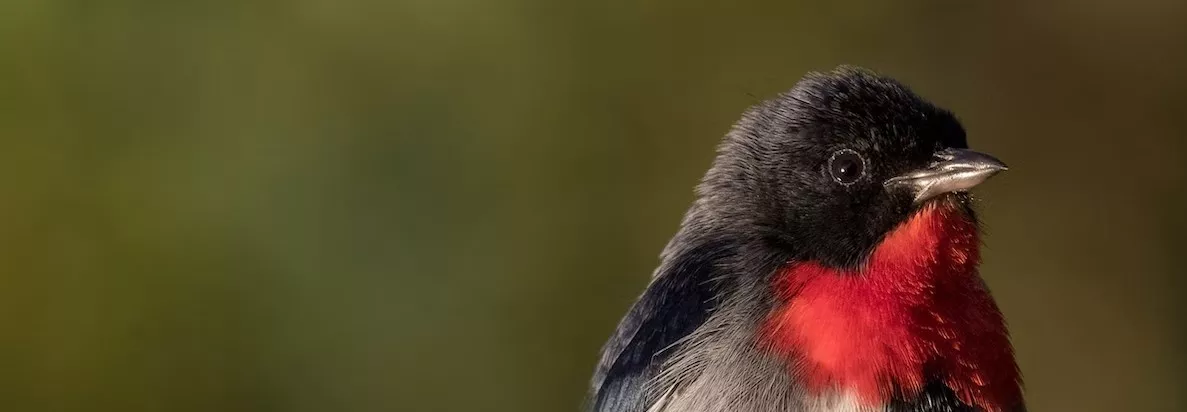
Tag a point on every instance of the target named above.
point(829, 262)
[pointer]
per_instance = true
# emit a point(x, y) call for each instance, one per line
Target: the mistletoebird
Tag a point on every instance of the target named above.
point(829, 263)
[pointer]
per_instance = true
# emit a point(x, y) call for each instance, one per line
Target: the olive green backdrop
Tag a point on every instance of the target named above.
point(445, 205)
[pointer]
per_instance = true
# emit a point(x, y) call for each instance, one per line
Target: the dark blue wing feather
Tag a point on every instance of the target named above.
point(679, 300)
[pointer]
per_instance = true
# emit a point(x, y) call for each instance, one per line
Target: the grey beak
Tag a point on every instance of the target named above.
point(955, 170)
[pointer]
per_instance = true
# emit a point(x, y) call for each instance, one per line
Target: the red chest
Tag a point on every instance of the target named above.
point(916, 310)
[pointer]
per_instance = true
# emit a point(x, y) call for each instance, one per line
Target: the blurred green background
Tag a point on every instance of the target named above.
point(445, 205)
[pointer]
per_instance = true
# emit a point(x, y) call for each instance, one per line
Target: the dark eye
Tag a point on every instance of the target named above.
point(846, 166)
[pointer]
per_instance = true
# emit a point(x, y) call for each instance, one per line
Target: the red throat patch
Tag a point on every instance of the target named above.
point(916, 310)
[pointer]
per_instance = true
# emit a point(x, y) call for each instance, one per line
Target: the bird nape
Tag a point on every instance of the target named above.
point(829, 263)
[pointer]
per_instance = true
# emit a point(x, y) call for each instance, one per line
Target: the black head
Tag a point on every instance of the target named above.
point(830, 167)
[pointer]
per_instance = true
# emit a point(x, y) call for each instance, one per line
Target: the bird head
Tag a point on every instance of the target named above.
point(830, 167)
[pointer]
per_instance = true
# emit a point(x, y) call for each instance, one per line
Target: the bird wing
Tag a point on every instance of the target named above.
point(678, 301)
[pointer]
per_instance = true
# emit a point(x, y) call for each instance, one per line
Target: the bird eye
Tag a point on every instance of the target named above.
point(846, 166)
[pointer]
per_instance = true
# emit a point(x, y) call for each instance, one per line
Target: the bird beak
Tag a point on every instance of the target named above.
point(955, 170)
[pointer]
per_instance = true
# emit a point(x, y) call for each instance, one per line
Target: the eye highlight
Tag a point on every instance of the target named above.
point(846, 166)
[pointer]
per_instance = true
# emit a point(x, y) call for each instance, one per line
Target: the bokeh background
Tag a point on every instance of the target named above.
point(445, 205)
